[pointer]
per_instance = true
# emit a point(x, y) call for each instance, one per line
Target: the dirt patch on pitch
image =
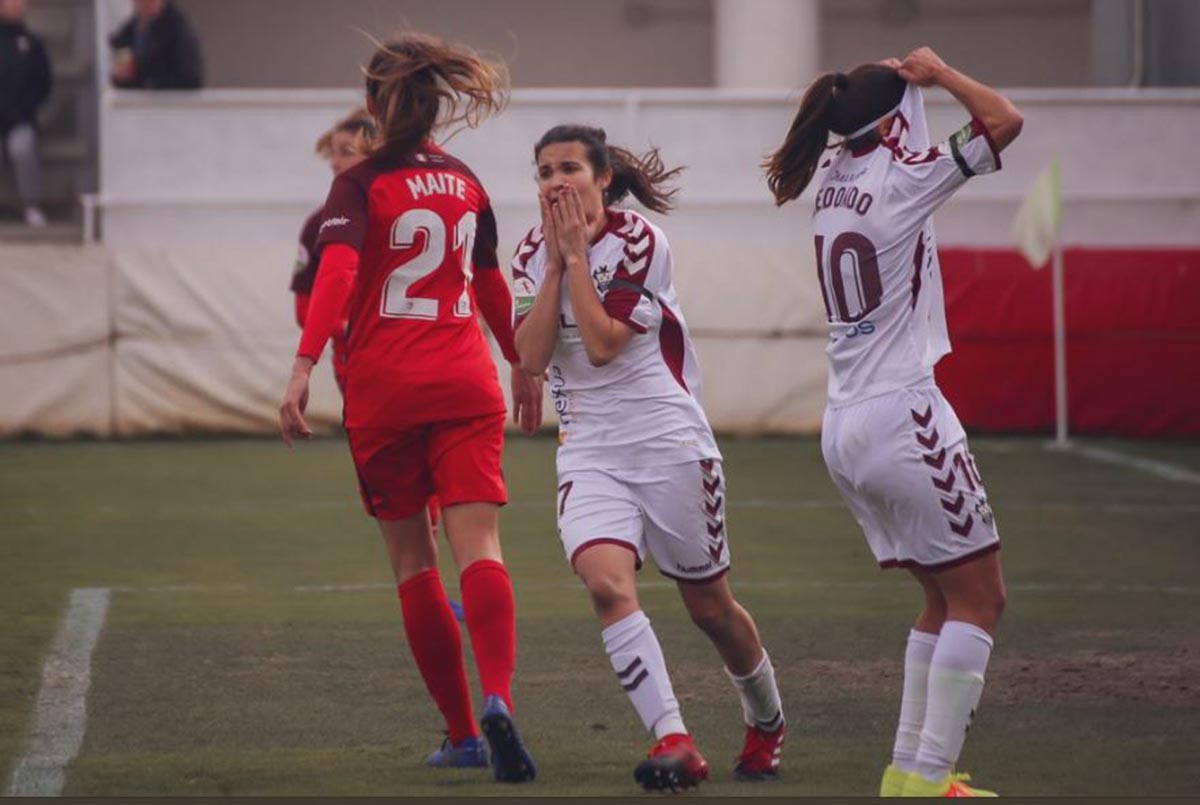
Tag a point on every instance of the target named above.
point(1168, 677)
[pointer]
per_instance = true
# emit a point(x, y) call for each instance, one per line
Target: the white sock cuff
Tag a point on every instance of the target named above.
point(922, 638)
point(763, 665)
point(962, 647)
point(629, 625)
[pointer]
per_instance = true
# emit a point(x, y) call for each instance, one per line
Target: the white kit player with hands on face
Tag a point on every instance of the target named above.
point(893, 445)
point(638, 466)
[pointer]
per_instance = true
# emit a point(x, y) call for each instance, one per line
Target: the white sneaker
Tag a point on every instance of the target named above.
point(34, 217)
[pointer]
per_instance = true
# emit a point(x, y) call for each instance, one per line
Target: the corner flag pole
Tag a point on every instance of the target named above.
point(1035, 232)
point(1060, 351)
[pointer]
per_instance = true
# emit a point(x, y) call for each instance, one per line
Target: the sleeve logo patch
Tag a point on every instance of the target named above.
point(524, 295)
point(963, 135)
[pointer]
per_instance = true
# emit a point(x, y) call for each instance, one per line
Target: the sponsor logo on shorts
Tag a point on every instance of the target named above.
point(693, 568)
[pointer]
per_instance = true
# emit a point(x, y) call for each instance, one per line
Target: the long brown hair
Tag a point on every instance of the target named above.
point(839, 102)
point(359, 123)
point(645, 176)
point(417, 82)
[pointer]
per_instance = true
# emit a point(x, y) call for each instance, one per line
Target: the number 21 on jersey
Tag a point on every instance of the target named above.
point(396, 302)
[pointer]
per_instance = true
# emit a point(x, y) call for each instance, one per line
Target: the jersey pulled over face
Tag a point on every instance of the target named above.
point(422, 226)
point(642, 409)
point(877, 256)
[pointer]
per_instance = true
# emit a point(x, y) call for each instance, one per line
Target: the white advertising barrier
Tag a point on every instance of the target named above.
point(148, 340)
point(55, 346)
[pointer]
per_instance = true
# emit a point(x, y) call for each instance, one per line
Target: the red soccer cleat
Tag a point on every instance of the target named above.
point(759, 759)
point(674, 763)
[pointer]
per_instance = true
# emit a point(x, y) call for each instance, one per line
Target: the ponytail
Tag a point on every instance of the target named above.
point(416, 83)
point(791, 167)
point(645, 176)
point(845, 104)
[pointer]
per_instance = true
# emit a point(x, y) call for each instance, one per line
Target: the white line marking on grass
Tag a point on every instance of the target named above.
point(60, 719)
point(1162, 469)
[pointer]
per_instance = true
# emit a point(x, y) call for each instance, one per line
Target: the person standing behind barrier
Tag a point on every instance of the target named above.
point(892, 443)
point(156, 48)
point(25, 81)
point(409, 240)
point(638, 466)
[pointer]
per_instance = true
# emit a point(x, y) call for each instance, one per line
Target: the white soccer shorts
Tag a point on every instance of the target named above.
point(902, 465)
point(677, 512)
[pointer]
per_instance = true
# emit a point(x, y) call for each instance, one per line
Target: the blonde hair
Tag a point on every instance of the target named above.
point(359, 123)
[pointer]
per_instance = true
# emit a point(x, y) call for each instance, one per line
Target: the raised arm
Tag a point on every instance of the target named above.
point(997, 113)
point(537, 327)
point(604, 337)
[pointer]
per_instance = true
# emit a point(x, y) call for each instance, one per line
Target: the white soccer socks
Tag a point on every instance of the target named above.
point(917, 657)
point(761, 705)
point(956, 673)
point(637, 659)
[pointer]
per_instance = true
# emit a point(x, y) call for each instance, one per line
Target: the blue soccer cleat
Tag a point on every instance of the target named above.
point(513, 764)
point(470, 753)
point(457, 609)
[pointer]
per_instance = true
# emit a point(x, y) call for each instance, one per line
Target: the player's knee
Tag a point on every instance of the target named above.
point(712, 616)
point(608, 594)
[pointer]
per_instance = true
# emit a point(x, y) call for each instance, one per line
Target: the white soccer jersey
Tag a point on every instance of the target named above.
point(642, 409)
point(877, 256)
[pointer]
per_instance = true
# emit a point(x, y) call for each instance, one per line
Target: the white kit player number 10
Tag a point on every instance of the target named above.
point(852, 264)
point(397, 304)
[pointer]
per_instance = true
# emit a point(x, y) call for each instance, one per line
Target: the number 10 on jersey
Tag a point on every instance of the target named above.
point(396, 303)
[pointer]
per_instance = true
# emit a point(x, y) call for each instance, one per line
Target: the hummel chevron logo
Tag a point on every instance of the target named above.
point(639, 227)
point(930, 441)
point(636, 249)
point(937, 460)
point(716, 528)
point(635, 267)
point(945, 484)
point(964, 527)
point(955, 507)
point(716, 551)
point(706, 464)
point(710, 487)
point(628, 228)
point(714, 506)
point(922, 419)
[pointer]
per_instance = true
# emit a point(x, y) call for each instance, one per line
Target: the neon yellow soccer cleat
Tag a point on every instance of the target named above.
point(892, 784)
point(952, 785)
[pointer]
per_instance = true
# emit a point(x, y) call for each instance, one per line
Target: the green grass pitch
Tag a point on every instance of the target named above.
point(253, 644)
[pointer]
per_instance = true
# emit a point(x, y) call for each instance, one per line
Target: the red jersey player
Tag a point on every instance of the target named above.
point(892, 443)
point(409, 243)
point(638, 467)
point(343, 146)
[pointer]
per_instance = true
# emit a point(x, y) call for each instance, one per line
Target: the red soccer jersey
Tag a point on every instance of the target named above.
point(425, 234)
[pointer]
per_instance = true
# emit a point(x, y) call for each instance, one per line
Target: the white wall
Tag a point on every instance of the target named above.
point(236, 166)
point(644, 43)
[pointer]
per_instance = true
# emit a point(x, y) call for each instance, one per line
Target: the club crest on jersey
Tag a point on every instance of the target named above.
point(984, 510)
point(603, 277)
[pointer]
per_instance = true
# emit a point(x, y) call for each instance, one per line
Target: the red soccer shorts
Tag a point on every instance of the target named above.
point(400, 468)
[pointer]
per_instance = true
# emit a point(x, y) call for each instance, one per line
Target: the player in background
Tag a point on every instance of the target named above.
point(343, 146)
point(409, 251)
point(638, 466)
point(893, 445)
